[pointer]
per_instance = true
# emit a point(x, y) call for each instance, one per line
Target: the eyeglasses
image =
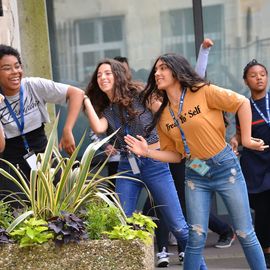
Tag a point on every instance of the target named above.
point(9, 69)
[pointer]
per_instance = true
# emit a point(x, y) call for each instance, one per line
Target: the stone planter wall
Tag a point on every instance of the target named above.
point(94, 255)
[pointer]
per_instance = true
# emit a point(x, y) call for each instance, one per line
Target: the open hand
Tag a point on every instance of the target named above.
point(137, 145)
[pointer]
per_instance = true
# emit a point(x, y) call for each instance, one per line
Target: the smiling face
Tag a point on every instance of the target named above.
point(10, 75)
point(105, 79)
point(164, 77)
point(256, 79)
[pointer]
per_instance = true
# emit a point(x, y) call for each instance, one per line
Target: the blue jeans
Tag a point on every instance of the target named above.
point(158, 179)
point(224, 177)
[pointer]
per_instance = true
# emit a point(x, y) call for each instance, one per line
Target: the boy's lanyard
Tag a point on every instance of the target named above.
point(19, 125)
point(267, 121)
point(176, 122)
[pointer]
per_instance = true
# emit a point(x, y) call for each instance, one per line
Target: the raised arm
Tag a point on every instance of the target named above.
point(202, 60)
point(74, 98)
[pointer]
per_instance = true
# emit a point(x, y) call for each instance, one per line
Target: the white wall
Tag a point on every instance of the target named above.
point(9, 30)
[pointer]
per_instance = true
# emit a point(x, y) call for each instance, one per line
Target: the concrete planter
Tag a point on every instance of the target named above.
point(94, 255)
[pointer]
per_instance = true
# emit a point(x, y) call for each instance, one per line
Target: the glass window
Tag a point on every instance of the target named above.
point(87, 31)
point(112, 29)
point(240, 33)
point(89, 61)
point(97, 38)
point(112, 53)
point(177, 30)
point(212, 16)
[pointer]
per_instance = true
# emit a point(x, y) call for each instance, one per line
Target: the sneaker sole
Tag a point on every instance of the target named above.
point(163, 263)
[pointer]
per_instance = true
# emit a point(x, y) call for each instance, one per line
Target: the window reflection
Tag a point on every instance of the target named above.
point(240, 33)
point(89, 30)
point(97, 38)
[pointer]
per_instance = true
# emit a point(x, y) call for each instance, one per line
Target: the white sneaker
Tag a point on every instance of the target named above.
point(163, 258)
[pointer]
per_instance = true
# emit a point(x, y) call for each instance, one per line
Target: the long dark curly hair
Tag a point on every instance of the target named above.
point(125, 90)
point(182, 71)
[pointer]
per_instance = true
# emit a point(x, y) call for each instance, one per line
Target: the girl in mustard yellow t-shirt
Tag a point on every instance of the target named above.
point(190, 124)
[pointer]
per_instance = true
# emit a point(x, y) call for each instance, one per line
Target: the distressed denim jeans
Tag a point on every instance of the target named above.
point(224, 177)
point(156, 176)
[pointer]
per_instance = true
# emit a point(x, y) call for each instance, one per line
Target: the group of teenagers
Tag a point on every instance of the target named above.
point(177, 116)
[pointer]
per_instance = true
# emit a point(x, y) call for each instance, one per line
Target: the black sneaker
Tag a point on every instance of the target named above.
point(225, 240)
point(163, 258)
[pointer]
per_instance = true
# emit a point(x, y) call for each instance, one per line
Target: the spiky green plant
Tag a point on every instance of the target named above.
point(68, 186)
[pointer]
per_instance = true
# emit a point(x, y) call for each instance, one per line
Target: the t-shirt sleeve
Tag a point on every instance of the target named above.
point(48, 90)
point(223, 99)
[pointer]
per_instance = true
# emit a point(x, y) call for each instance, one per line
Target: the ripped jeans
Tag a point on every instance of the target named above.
point(157, 177)
point(224, 177)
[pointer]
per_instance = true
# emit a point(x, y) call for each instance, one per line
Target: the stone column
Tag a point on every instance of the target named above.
point(34, 39)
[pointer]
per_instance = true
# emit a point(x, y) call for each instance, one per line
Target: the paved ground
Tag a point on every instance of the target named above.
point(216, 259)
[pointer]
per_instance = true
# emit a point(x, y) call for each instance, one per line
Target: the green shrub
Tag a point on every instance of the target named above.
point(101, 217)
point(69, 186)
point(138, 227)
point(6, 216)
point(32, 232)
